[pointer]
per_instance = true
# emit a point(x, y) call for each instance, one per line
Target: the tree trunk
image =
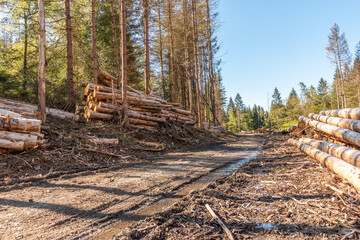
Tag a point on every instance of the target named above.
point(161, 52)
point(70, 70)
point(94, 52)
point(349, 155)
point(338, 166)
point(26, 42)
point(124, 62)
point(42, 56)
point(195, 40)
point(116, 46)
point(147, 47)
point(172, 55)
point(187, 59)
point(211, 63)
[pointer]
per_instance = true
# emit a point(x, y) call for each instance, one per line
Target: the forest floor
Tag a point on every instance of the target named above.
point(89, 193)
point(155, 186)
point(280, 194)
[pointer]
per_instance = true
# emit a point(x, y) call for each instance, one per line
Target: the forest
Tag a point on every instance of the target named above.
point(171, 50)
point(343, 91)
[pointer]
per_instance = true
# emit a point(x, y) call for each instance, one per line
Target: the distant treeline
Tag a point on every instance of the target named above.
point(342, 92)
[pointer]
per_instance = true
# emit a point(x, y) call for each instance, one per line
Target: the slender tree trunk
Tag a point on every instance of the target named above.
point(94, 52)
point(195, 40)
point(161, 51)
point(70, 70)
point(147, 48)
point(116, 45)
point(172, 54)
point(201, 75)
point(42, 64)
point(124, 62)
point(26, 42)
point(187, 54)
point(211, 62)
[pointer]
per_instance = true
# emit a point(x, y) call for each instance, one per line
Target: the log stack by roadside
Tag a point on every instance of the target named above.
point(104, 102)
point(340, 152)
point(19, 132)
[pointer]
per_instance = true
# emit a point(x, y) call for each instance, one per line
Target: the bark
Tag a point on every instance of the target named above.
point(211, 63)
point(349, 113)
point(341, 133)
point(350, 124)
point(195, 41)
point(26, 38)
point(41, 82)
point(116, 46)
point(124, 62)
point(147, 47)
point(70, 69)
point(338, 166)
point(172, 55)
point(12, 146)
point(161, 51)
point(349, 155)
point(93, 38)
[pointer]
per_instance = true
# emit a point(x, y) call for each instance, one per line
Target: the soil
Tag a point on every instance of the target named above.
point(83, 204)
point(66, 150)
point(280, 194)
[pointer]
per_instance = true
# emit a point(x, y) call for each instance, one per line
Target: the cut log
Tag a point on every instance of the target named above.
point(95, 115)
point(339, 122)
point(12, 146)
point(348, 113)
point(135, 121)
point(345, 134)
point(11, 114)
point(349, 155)
point(3, 120)
point(23, 124)
point(338, 166)
point(134, 114)
point(181, 111)
point(103, 141)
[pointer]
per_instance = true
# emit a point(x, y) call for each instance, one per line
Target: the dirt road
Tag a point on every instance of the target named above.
point(83, 206)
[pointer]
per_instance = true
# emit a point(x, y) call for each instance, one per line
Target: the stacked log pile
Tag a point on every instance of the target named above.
point(340, 152)
point(104, 102)
point(19, 132)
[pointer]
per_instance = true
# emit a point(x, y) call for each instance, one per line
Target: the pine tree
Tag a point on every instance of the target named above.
point(339, 54)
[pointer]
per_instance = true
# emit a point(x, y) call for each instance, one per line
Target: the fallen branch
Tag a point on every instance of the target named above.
point(220, 222)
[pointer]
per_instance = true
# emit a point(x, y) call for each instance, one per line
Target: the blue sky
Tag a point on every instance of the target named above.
point(279, 43)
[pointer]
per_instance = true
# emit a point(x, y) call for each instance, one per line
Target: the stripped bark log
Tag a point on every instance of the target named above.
point(339, 122)
point(103, 141)
point(349, 155)
point(23, 124)
point(135, 121)
point(11, 145)
point(345, 134)
point(349, 113)
point(338, 166)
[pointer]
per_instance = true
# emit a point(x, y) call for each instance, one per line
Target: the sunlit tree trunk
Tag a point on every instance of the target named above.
point(41, 81)
point(147, 48)
point(70, 70)
point(94, 52)
point(124, 62)
point(116, 45)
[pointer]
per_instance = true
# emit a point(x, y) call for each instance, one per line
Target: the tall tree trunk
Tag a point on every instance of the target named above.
point(201, 75)
point(41, 81)
point(70, 70)
point(211, 62)
point(172, 54)
point(196, 53)
point(161, 50)
point(116, 46)
point(94, 52)
point(26, 42)
point(147, 47)
point(124, 62)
